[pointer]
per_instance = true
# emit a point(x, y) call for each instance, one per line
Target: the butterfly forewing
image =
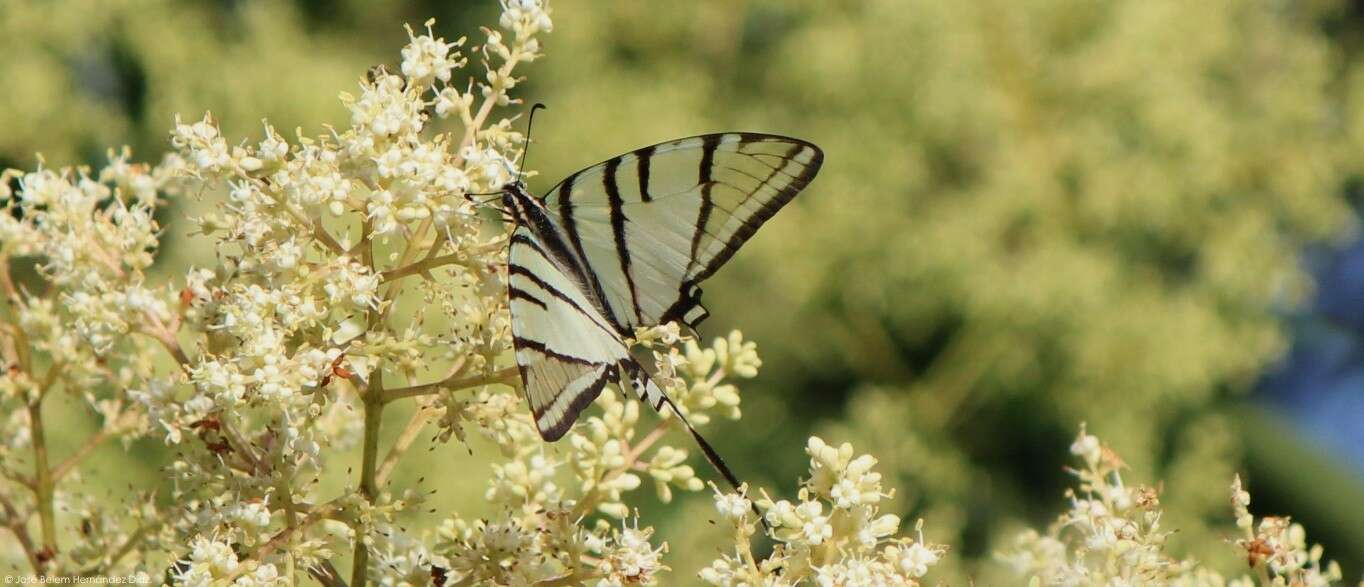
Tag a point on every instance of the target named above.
point(650, 225)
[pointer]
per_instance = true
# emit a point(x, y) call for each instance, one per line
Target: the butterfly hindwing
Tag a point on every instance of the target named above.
point(565, 350)
point(651, 224)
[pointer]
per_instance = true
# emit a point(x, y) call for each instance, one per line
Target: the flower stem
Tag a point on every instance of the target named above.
point(508, 375)
point(631, 458)
point(43, 488)
point(426, 264)
point(66, 466)
point(123, 550)
point(286, 496)
point(404, 442)
point(374, 408)
point(17, 526)
point(374, 411)
point(323, 571)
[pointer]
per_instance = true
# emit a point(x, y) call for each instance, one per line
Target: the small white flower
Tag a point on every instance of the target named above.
point(916, 560)
point(255, 514)
point(815, 528)
point(633, 560)
point(427, 58)
point(780, 513)
point(1087, 447)
point(732, 506)
point(846, 494)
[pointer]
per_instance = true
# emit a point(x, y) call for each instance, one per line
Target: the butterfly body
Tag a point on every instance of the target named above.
point(624, 244)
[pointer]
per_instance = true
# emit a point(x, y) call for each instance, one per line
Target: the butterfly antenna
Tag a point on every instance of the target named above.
point(472, 198)
point(521, 165)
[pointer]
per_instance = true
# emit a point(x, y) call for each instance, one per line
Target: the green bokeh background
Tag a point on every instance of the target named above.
point(1032, 214)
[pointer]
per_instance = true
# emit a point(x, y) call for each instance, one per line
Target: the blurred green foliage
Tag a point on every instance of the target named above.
point(1032, 213)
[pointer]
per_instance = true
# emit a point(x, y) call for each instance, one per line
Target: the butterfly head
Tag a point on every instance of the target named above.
point(517, 201)
point(509, 191)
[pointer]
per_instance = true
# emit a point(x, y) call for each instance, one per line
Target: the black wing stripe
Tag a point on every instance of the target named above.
point(532, 244)
point(521, 238)
point(739, 139)
point(749, 221)
point(639, 379)
point(522, 342)
point(758, 155)
point(762, 183)
point(779, 169)
point(644, 156)
point(517, 293)
point(689, 297)
point(566, 257)
point(618, 228)
point(559, 295)
point(753, 219)
point(557, 253)
point(748, 138)
point(794, 151)
point(590, 274)
point(708, 145)
point(768, 209)
point(787, 158)
point(579, 403)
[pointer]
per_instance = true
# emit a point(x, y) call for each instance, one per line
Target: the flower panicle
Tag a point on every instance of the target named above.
point(833, 533)
point(1112, 534)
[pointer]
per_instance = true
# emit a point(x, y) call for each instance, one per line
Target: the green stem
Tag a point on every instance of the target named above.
point(68, 465)
point(433, 261)
point(508, 375)
point(404, 442)
point(374, 408)
point(326, 574)
point(42, 479)
point(290, 517)
point(125, 549)
point(374, 411)
point(15, 523)
point(424, 265)
point(590, 500)
point(574, 578)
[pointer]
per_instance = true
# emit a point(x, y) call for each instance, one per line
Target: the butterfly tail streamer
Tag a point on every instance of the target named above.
point(649, 392)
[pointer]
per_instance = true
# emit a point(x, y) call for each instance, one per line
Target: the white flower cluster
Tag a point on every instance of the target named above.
point(285, 350)
point(833, 534)
point(77, 317)
point(1278, 548)
point(1111, 535)
point(297, 321)
point(560, 552)
point(212, 560)
point(546, 490)
point(693, 375)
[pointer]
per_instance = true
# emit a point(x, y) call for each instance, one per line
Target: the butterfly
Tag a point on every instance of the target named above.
point(625, 244)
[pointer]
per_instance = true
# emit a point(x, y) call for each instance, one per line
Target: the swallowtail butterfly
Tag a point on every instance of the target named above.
point(625, 244)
